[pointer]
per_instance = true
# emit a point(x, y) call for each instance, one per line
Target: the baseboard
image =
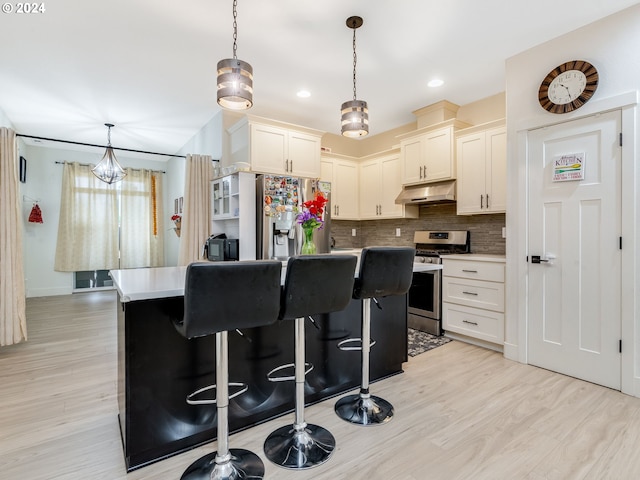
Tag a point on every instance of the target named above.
point(474, 341)
point(511, 352)
point(48, 292)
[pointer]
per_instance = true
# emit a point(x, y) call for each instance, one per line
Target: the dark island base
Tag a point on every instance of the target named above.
point(158, 368)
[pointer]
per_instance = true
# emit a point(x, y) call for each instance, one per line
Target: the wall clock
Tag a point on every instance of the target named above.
point(568, 86)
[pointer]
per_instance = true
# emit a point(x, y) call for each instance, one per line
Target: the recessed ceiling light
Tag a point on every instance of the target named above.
point(436, 82)
point(303, 93)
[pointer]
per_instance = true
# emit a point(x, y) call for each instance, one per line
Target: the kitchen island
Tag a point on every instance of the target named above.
point(158, 368)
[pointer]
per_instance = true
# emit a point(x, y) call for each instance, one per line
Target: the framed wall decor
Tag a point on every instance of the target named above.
point(23, 169)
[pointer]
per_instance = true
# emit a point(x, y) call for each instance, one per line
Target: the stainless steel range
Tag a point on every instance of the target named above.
point(425, 294)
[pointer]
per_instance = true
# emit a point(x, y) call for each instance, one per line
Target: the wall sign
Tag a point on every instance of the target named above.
point(567, 168)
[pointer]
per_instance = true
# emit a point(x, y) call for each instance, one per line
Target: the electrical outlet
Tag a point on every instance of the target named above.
point(353, 232)
point(397, 232)
point(504, 232)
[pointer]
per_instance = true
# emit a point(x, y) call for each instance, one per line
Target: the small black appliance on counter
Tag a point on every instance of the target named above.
point(219, 248)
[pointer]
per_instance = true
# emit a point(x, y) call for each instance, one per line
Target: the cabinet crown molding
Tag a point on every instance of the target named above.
point(274, 123)
point(436, 126)
point(481, 127)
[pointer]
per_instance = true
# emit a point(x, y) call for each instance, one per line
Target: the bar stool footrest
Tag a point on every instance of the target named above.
point(344, 344)
point(299, 449)
point(285, 378)
point(211, 401)
point(242, 465)
point(364, 411)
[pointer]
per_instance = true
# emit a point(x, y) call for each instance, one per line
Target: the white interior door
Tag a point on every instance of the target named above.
point(573, 308)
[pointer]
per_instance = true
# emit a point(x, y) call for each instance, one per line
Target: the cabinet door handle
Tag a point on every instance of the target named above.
point(337, 209)
point(487, 200)
point(470, 322)
point(481, 199)
point(470, 293)
point(470, 271)
point(425, 171)
point(291, 165)
point(420, 171)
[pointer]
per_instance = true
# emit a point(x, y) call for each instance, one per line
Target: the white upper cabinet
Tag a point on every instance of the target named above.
point(343, 175)
point(482, 169)
point(428, 155)
point(272, 147)
point(380, 184)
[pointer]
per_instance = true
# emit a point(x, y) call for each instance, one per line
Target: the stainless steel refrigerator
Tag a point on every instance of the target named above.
point(279, 199)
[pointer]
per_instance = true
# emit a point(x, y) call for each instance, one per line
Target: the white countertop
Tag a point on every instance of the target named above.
point(163, 282)
point(480, 257)
point(147, 283)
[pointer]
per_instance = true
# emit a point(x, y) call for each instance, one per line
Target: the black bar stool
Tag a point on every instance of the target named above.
point(383, 271)
point(219, 297)
point(314, 284)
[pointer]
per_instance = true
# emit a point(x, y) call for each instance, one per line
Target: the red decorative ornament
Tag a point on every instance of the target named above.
point(36, 214)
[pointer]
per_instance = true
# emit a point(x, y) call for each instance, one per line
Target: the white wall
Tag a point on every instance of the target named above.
point(611, 45)
point(44, 183)
point(4, 120)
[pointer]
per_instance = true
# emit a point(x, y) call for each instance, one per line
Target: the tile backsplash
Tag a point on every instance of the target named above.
point(486, 230)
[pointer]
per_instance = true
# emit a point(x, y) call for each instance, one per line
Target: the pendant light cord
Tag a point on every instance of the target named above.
point(355, 60)
point(235, 28)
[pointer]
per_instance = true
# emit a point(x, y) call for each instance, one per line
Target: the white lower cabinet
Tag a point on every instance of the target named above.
point(473, 297)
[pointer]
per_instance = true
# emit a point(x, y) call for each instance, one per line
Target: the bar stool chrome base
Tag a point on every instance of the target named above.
point(299, 448)
point(241, 464)
point(370, 410)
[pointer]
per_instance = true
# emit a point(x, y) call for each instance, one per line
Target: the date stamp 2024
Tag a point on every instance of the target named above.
point(23, 8)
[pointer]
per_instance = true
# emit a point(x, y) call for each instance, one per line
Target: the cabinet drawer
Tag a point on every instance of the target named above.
point(481, 324)
point(494, 272)
point(473, 293)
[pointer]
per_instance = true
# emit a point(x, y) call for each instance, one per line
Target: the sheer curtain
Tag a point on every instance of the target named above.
point(88, 225)
point(197, 203)
point(89, 222)
point(141, 226)
point(13, 318)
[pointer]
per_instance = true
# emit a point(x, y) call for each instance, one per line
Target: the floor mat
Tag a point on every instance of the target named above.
point(420, 342)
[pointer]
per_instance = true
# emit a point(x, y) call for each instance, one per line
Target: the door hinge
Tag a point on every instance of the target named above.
point(620, 138)
point(620, 346)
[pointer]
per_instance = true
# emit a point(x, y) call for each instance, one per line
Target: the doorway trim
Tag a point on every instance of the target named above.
point(517, 220)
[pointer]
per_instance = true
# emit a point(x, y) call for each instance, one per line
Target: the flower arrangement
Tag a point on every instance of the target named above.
point(310, 219)
point(312, 210)
point(177, 220)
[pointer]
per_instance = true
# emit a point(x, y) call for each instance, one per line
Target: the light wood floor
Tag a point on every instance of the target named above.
point(462, 412)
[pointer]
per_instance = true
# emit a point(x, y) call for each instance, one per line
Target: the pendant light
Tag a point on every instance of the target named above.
point(109, 170)
point(235, 77)
point(355, 113)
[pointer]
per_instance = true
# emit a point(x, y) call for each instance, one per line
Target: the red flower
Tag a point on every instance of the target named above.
point(316, 206)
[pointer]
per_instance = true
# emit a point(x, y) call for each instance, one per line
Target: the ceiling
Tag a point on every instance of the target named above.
point(148, 66)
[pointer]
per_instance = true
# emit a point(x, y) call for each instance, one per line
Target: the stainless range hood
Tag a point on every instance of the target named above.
point(441, 192)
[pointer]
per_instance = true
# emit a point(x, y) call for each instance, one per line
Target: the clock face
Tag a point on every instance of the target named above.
point(568, 87)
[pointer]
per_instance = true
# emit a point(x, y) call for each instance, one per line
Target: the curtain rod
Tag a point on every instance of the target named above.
point(134, 169)
point(99, 146)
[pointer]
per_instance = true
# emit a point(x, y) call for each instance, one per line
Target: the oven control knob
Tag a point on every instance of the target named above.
point(419, 259)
